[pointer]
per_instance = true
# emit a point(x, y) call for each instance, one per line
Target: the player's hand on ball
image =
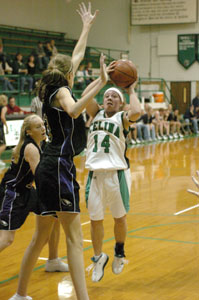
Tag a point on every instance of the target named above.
point(131, 88)
point(111, 67)
point(196, 183)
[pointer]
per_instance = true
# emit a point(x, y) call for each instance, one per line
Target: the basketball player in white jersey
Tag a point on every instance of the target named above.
point(109, 180)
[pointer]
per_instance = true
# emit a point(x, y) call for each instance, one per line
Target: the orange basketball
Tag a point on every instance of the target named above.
point(124, 74)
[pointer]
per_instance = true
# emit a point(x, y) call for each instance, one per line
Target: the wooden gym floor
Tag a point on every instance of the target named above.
point(162, 248)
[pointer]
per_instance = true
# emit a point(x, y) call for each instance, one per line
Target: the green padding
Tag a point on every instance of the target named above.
point(124, 189)
point(88, 184)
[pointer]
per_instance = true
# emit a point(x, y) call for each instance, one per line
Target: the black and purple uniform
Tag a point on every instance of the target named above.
point(17, 195)
point(55, 176)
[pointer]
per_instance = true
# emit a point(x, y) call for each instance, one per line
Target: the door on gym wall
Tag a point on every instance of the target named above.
point(181, 95)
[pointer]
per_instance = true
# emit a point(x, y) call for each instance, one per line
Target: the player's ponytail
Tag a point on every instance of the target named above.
point(55, 76)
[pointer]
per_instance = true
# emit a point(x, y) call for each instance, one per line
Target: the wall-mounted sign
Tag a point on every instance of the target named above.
point(14, 128)
point(187, 49)
point(149, 12)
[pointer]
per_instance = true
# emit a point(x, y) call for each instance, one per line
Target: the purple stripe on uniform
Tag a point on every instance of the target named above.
point(7, 202)
point(66, 178)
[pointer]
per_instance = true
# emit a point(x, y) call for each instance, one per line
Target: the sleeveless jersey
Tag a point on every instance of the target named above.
point(106, 147)
point(67, 135)
point(19, 176)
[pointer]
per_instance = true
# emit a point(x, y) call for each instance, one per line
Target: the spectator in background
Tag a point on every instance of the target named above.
point(53, 48)
point(89, 73)
point(3, 110)
point(80, 78)
point(190, 116)
point(42, 59)
point(142, 129)
point(2, 53)
point(174, 120)
point(48, 50)
point(20, 68)
point(12, 108)
point(31, 67)
point(5, 69)
point(195, 101)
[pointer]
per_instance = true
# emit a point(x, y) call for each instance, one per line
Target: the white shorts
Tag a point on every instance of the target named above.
point(109, 188)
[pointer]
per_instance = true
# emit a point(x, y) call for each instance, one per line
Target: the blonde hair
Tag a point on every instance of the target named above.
point(23, 133)
point(58, 67)
point(3, 98)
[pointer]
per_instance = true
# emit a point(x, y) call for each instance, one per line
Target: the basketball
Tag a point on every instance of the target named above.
point(124, 74)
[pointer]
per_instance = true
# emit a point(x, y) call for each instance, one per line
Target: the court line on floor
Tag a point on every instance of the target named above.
point(161, 239)
point(186, 209)
point(112, 238)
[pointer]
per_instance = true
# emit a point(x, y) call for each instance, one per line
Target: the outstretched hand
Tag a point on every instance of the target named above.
point(197, 185)
point(86, 15)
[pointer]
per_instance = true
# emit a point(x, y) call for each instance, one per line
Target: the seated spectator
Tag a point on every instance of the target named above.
point(162, 125)
point(132, 136)
point(48, 50)
point(142, 129)
point(80, 83)
point(5, 69)
point(12, 108)
point(89, 73)
point(20, 68)
point(42, 59)
point(195, 101)
point(2, 53)
point(191, 116)
point(53, 48)
point(31, 67)
point(174, 120)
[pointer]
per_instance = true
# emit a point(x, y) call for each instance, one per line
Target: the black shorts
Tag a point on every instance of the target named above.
point(56, 184)
point(15, 207)
point(2, 136)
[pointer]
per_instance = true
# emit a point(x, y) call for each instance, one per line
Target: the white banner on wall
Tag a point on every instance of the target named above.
point(13, 135)
point(149, 12)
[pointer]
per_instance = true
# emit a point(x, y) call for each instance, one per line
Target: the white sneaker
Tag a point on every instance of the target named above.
point(56, 265)
point(18, 297)
point(138, 141)
point(181, 135)
point(118, 264)
point(175, 135)
point(171, 136)
point(98, 267)
point(133, 142)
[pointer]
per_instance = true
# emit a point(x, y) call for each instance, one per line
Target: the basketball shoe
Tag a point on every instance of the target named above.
point(18, 297)
point(118, 264)
point(56, 265)
point(98, 267)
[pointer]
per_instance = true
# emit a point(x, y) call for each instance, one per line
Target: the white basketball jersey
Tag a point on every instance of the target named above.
point(106, 145)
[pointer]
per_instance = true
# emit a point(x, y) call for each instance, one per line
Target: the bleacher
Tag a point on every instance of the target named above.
point(24, 40)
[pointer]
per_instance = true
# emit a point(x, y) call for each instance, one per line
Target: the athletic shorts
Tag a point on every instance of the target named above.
point(109, 188)
point(15, 207)
point(2, 136)
point(56, 184)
